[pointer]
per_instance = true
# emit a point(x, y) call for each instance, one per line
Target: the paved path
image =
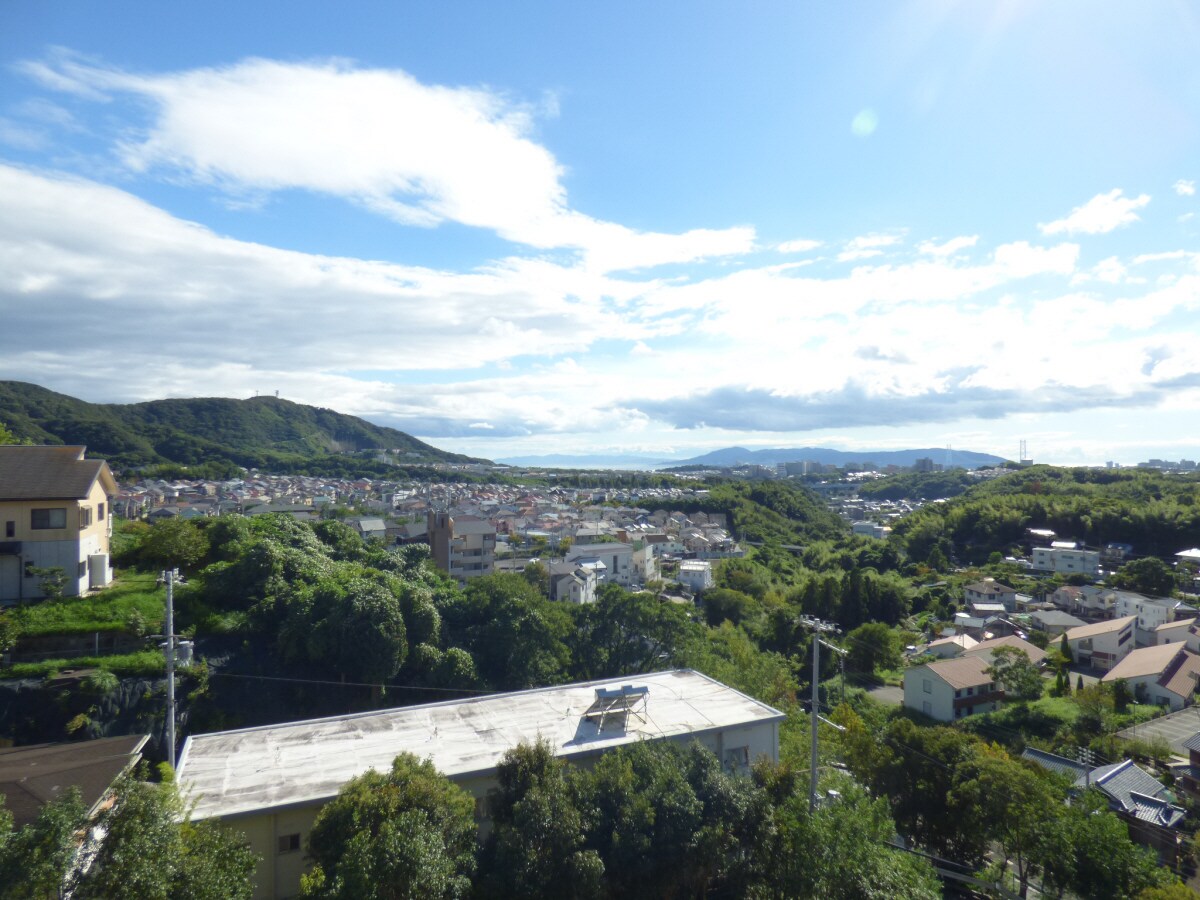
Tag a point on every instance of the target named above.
point(887, 693)
point(1174, 728)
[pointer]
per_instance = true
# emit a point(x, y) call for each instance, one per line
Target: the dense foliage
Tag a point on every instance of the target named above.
point(262, 432)
point(1155, 513)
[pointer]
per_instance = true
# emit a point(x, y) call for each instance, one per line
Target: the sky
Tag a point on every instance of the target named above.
point(659, 229)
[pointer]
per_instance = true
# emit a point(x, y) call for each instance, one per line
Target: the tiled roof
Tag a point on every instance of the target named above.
point(1155, 810)
point(50, 473)
point(961, 673)
point(1145, 661)
point(1193, 743)
point(1054, 763)
point(33, 775)
point(1106, 627)
point(985, 648)
point(1178, 623)
point(1122, 779)
point(1181, 677)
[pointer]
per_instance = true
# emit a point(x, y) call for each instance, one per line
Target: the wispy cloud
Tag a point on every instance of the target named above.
point(1185, 187)
point(800, 245)
point(948, 248)
point(417, 153)
point(1100, 215)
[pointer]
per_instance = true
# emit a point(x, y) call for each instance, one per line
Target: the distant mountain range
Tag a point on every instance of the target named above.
point(735, 456)
point(262, 432)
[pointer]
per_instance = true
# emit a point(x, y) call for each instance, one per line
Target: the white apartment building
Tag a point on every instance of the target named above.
point(1067, 561)
point(695, 574)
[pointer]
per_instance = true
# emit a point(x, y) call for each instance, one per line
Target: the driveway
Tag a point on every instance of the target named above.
point(887, 693)
point(1174, 728)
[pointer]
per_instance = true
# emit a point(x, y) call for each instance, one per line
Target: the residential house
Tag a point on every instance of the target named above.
point(462, 546)
point(947, 647)
point(1186, 630)
point(1103, 644)
point(369, 527)
point(33, 775)
point(270, 782)
point(1165, 675)
point(1150, 612)
point(951, 689)
point(985, 649)
point(1053, 621)
point(616, 558)
point(695, 574)
point(1136, 796)
point(56, 512)
point(991, 591)
point(1189, 775)
point(572, 583)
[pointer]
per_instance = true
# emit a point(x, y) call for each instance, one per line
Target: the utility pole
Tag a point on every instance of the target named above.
point(170, 648)
point(1088, 758)
point(817, 627)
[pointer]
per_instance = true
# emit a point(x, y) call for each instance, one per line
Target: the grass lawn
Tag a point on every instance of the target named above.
point(109, 610)
point(144, 662)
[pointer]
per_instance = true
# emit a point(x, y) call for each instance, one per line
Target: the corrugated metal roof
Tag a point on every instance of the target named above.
point(254, 769)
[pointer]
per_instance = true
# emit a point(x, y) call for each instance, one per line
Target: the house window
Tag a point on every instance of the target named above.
point(927, 686)
point(737, 758)
point(958, 712)
point(288, 843)
point(100, 511)
point(43, 519)
point(1124, 637)
point(82, 568)
point(85, 517)
point(970, 710)
point(10, 529)
point(927, 708)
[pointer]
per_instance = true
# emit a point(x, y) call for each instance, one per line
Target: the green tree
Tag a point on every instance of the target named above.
point(1012, 668)
point(53, 580)
point(174, 543)
point(408, 834)
point(1148, 575)
point(150, 851)
point(873, 645)
point(35, 859)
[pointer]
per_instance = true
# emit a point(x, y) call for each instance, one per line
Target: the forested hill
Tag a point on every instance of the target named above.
point(1158, 514)
point(262, 432)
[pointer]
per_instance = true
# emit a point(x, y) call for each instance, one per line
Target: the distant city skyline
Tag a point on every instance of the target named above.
point(541, 228)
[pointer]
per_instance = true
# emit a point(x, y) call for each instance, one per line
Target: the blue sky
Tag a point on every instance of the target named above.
point(515, 229)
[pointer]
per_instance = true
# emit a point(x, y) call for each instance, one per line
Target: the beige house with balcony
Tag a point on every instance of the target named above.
point(55, 512)
point(1103, 644)
point(952, 689)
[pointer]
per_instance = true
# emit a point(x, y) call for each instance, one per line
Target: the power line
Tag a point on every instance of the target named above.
point(407, 687)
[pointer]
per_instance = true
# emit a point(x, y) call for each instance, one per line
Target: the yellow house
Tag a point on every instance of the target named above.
point(55, 512)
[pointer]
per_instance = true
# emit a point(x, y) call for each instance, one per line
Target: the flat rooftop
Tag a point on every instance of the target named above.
point(230, 773)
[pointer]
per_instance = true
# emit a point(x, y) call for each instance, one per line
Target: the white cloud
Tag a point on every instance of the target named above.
point(419, 154)
point(948, 248)
point(867, 246)
point(1185, 187)
point(1100, 215)
point(800, 245)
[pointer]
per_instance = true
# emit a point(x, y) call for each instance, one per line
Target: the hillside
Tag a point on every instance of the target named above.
point(262, 432)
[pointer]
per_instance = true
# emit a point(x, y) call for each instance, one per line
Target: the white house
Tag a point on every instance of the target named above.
point(1150, 612)
point(1103, 644)
point(617, 559)
point(572, 583)
point(951, 689)
point(695, 574)
point(1186, 630)
point(271, 781)
point(1165, 674)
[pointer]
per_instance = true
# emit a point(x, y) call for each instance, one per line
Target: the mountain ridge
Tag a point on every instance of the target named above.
point(259, 432)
